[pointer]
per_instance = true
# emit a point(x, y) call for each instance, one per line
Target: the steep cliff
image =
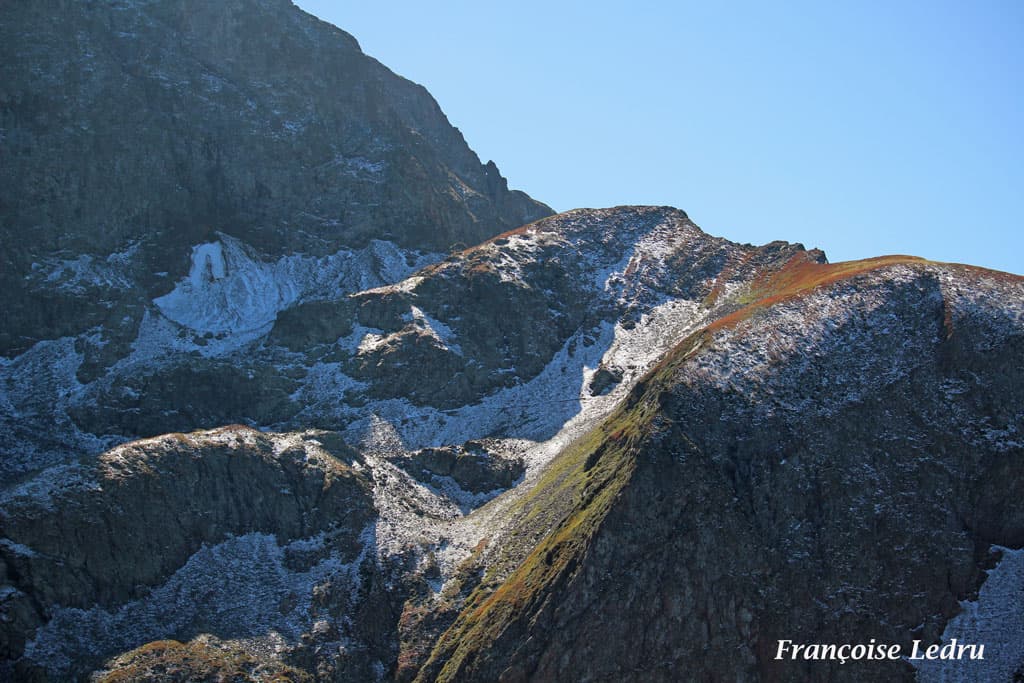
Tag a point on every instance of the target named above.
point(146, 127)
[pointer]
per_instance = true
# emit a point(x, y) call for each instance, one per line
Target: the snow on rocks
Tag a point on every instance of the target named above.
point(86, 272)
point(988, 301)
point(220, 298)
point(436, 329)
point(246, 586)
point(229, 290)
point(891, 310)
point(36, 390)
point(816, 331)
point(995, 620)
point(537, 418)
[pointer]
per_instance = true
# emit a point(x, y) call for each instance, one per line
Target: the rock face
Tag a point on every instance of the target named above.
point(104, 537)
point(823, 466)
point(471, 466)
point(176, 174)
point(292, 387)
point(153, 125)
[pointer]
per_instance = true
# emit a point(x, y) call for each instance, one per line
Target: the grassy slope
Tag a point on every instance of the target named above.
point(170, 660)
point(591, 473)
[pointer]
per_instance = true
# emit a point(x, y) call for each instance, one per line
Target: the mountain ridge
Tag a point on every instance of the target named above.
point(489, 629)
point(795, 278)
point(311, 394)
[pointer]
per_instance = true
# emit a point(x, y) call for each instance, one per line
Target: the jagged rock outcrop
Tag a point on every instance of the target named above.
point(204, 659)
point(472, 466)
point(495, 315)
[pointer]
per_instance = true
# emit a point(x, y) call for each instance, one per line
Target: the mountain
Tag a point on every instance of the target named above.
point(133, 130)
point(177, 173)
point(440, 380)
point(294, 388)
point(704, 429)
point(835, 462)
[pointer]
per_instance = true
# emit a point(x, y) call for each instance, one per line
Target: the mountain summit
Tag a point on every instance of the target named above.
point(292, 387)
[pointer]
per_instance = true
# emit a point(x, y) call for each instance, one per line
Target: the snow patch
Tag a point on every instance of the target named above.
point(443, 334)
point(230, 291)
point(17, 548)
point(995, 620)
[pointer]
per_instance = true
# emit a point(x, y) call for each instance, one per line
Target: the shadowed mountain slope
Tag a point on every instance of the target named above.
point(140, 128)
point(837, 461)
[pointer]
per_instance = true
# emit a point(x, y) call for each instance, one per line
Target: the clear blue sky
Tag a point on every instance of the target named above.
point(862, 128)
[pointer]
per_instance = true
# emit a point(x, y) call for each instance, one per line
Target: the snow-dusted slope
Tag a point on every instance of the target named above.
point(995, 620)
point(504, 339)
point(461, 380)
point(222, 309)
point(526, 342)
point(829, 463)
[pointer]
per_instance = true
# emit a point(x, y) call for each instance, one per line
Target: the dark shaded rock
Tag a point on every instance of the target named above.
point(604, 379)
point(158, 123)
point(107, 536)
point(197, 393)
point(311, 324)
point(471, 465)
